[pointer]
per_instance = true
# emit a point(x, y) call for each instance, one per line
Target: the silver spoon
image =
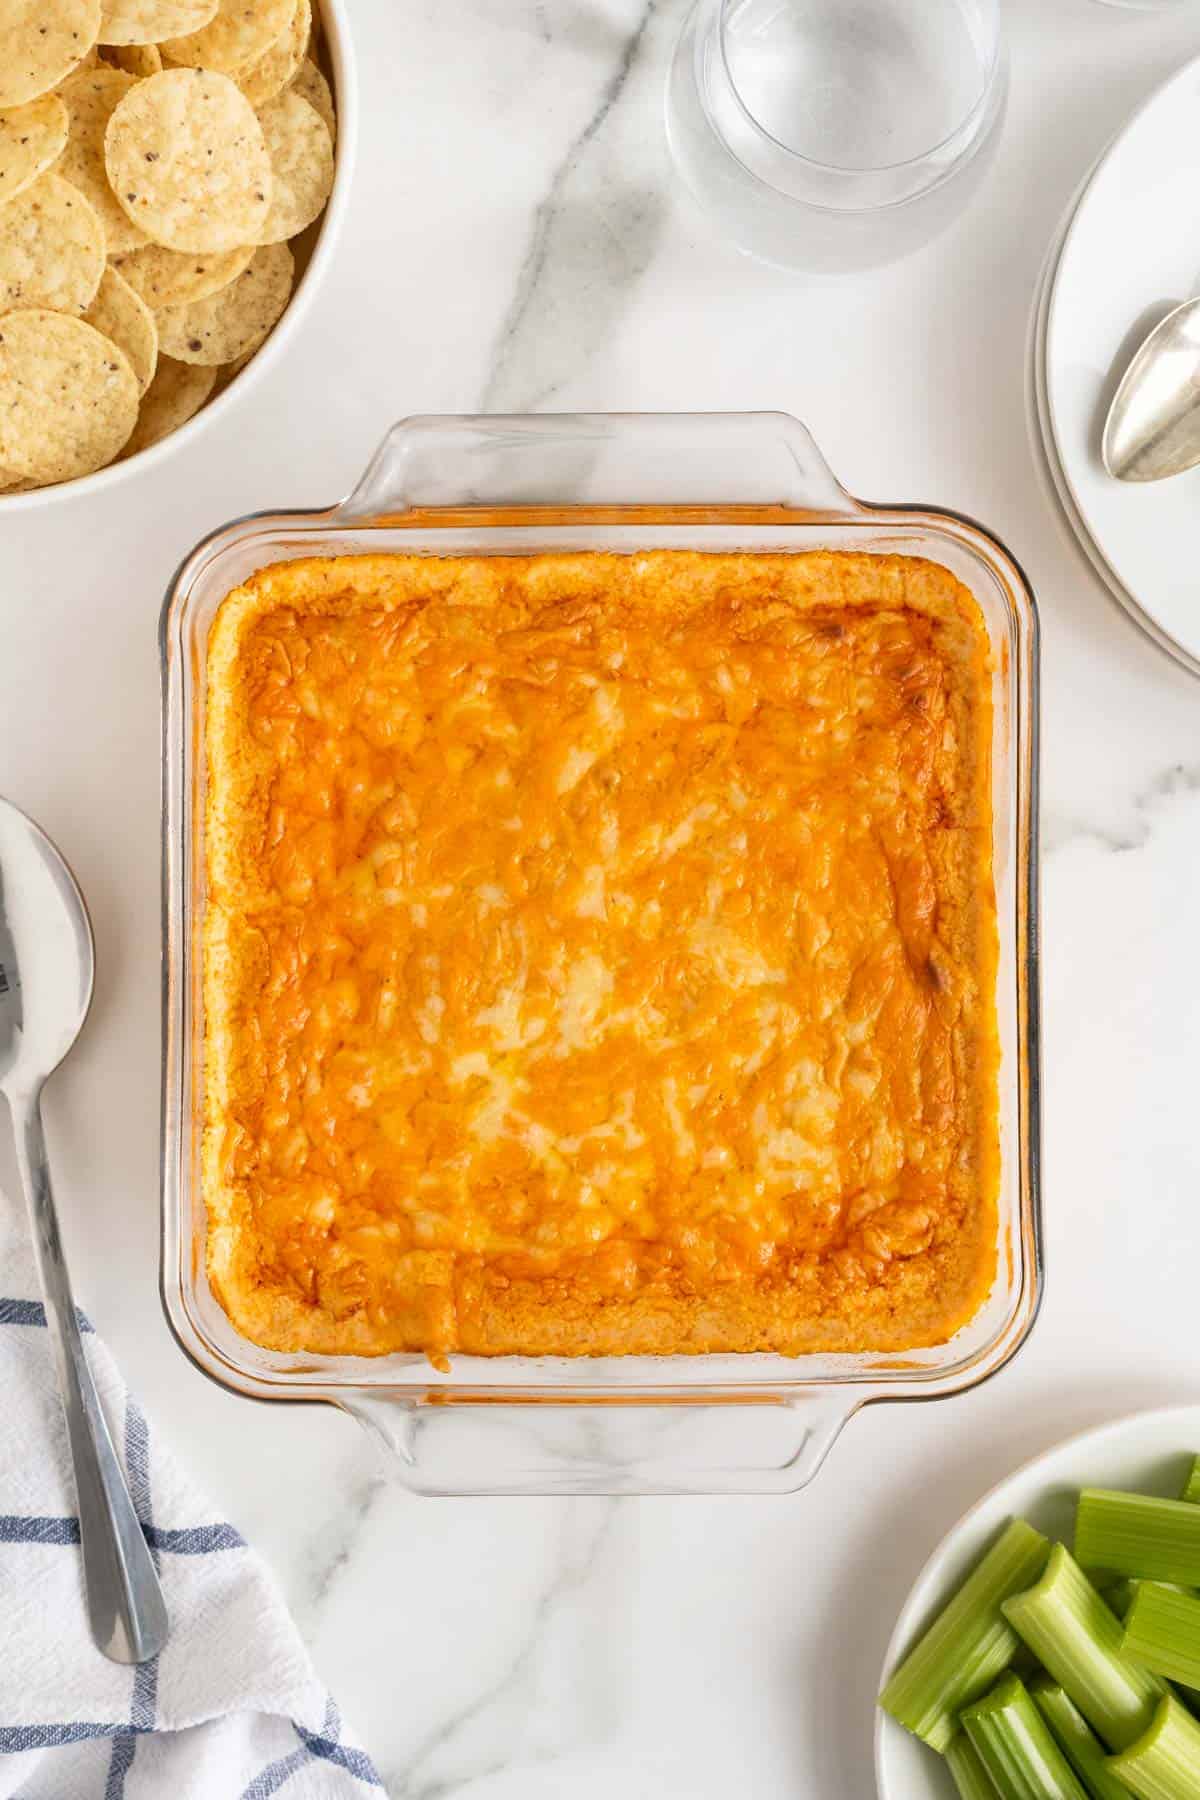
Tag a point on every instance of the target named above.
point(1153, 425)
point(46, 971)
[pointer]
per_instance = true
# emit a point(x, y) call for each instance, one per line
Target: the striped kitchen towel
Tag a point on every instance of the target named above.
point(231, 1709)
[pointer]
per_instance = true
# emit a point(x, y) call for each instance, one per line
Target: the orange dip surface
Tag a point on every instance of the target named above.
point(600, 955)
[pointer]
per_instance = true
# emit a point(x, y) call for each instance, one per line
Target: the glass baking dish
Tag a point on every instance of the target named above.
point(702, 1424)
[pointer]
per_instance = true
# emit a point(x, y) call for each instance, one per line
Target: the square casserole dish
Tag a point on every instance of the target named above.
point(617, 482)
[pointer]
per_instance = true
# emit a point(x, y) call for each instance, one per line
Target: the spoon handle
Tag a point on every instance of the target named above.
point(125, 1603)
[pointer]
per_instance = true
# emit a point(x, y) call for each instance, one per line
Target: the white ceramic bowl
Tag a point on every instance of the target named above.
point(1148, 1451)
point(335, 24)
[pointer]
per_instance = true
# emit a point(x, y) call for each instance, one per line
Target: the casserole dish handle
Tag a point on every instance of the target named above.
point(594, 460)
point(491, 1444)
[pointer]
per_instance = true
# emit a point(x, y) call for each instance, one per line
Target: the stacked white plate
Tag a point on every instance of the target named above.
point(1127, 251)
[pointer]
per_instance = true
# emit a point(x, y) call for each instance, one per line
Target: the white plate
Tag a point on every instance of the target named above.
point(1037, 412)
point(1148, 1451)
point(1041, 436)
point(1045, 452)
point(1131, 250)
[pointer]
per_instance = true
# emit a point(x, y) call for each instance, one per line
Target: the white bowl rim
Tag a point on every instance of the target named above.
point(916, 1597)
point(335, 19)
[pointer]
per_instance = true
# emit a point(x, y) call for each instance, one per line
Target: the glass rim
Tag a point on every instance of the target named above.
point(724, 7)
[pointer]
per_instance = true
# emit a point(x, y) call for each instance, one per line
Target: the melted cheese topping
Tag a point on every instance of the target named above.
point(600, 955)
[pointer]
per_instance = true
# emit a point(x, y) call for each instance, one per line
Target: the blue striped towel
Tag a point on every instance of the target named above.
point(232, 1709)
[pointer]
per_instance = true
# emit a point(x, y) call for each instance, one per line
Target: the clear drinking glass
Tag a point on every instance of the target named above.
point(835, 134)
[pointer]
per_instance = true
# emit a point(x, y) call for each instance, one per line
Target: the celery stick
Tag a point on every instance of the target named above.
point(1077, 1640)
point(970, 1777)
point(1121, 1595)
point(969, 1643)
point(1164, 1763)
point(1191, 1487)
point(1136, 1534)
point(1077, 1741)
point(1016, 1748)
point(1162, 1632)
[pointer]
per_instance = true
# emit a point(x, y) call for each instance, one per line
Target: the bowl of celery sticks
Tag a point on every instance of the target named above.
point(1050, 1649)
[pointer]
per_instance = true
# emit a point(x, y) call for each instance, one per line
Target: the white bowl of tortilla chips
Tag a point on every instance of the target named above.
point(173, 175)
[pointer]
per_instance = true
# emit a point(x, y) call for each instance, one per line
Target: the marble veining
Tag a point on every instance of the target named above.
point(593, 232)
point(1145, 810)
point(526, 1715)
point(331, 1549)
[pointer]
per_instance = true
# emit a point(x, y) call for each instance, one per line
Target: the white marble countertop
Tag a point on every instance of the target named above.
point(515, 240)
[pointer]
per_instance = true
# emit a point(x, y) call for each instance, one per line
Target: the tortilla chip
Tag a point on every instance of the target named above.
point(31, 138)
point(236, 320)
point(312, 86)
point(40, 42)
point(122, 315)
point(238, 35)
point(279, 64)
point(229, 372)
point(169, 278)
point(301, 152)
point(51, 248)
point(186, 159)
point(150, 21)
point(68, 397)
point(177, 391)
point(91, 97)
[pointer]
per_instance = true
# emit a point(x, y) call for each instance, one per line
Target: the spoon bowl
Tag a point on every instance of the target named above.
point(47, 953)
point(1153, 426)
